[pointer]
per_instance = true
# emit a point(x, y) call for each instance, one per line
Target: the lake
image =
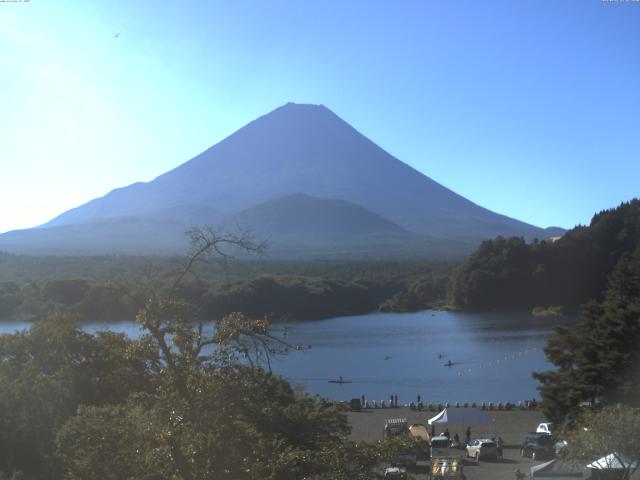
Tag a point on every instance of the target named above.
point(390, 353)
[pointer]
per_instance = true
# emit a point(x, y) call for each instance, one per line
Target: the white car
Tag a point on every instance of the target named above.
point(396, 473)
point(545, 427)
point(482, 448)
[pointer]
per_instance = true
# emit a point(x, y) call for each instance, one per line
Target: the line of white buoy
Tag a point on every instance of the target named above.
point(501, 361)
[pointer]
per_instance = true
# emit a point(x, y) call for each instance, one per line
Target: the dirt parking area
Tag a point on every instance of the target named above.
point(512, 426)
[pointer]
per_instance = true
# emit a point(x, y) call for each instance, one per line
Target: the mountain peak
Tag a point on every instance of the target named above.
point(294, 111)
point(303, 106)
point(303, 148)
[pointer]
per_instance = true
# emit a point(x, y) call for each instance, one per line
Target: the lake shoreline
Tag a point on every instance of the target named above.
point(444, 356)
point(512, 425)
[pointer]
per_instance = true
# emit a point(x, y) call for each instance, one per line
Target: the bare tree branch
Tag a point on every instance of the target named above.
point(208, 240)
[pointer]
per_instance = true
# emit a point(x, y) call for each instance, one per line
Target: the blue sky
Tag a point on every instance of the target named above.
point(529, 108)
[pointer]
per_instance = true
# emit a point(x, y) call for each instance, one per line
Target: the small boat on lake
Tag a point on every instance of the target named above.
point(449, 364)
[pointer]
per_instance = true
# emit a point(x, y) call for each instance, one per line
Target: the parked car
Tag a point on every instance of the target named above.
point(538, 446)
point(482, 448)
point(355, 404)
point(395, 473)
point(545, 427)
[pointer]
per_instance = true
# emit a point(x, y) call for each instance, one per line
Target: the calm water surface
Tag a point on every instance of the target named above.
point(387, 353)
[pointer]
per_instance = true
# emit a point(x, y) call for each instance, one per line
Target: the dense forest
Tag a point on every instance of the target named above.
point(598, 358)
point(113, 288)
point(510, 274)
point(593, 394)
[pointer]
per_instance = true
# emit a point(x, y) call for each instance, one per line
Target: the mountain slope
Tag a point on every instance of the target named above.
point(300, 213)
point(308, 149)
point(295, 226)
point(508, 274)
point(126, 235)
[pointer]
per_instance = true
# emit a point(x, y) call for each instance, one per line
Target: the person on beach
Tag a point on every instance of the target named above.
point(468, 434)
point(500, 445)
point(519, 474)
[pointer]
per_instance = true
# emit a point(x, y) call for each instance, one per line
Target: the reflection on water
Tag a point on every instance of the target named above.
point(386, 353)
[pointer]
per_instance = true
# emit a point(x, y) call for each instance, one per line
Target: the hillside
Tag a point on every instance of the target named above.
point(297, 213)
point(127, 235)
point(509, 274)
point(295, 226)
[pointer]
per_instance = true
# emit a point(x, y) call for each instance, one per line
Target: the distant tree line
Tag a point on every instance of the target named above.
point(32, 300)
point(280, 297)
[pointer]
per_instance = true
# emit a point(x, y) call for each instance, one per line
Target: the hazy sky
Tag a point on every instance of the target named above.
point(529, 108)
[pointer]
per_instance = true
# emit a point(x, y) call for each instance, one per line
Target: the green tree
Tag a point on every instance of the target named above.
point(66, 292)
point(215, 413)
point(216, 410)
point(598, 359)
point(46, 373)
point(611, 432)
point(511, 274)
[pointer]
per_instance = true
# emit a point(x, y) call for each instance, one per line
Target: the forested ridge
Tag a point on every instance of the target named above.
point(111, 288)
point(598, 358)
point(511, 274)
point(593, 393)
